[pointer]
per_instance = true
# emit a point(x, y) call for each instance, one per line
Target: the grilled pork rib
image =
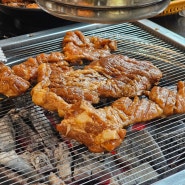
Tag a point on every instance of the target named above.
point(28, 69)
point(78, 47)
point(113, 76)
point(102, 129)
point(11, 85)
point(170, 101)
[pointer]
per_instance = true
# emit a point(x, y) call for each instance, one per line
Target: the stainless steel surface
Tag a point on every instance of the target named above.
point(103, 11)
point(151, 151)
point(176, 179)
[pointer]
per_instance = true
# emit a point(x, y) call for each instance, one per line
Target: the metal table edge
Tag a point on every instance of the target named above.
point(175, 179)
point(166, 34)
point(50, 33)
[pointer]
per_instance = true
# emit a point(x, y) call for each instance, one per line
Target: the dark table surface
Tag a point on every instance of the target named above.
point(11, 26)
point(175, 23)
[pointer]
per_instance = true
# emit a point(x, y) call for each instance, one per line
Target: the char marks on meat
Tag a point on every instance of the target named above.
point(28, 69)
point(11, 85)
point(77, 47)
point(125, 76)
point(172, 102)
point(110, 77)
point(41, 94)
point(102, 129)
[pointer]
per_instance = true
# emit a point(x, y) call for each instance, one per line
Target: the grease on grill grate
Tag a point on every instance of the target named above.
point(32, 152)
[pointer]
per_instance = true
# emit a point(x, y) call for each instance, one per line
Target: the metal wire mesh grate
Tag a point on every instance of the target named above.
point(35, 152)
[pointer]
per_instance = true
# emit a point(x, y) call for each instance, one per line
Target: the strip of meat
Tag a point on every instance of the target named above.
point(113, 76)
point(11, 85)
point(78, 47)
point(125, 76)
point(102, 129)
point(42, 96)
point(28, 69)
point(172, 102)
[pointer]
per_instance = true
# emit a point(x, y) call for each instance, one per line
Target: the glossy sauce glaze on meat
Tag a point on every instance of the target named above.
point(11, 85)
point(125, 76)
point(113, 76)
point(77, 47)
point(103, 129)
point(28, 69)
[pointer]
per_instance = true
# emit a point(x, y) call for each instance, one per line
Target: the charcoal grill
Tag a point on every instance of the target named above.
point(152, 153)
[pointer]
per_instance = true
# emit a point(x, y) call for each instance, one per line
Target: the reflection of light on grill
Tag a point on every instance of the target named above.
point(150, 152)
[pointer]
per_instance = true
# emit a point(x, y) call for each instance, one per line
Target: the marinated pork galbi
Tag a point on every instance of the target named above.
point(11, 85)
point(103, 129)
point(77, 47)
point(28, 69)
point(110, 77)
point(41, 94)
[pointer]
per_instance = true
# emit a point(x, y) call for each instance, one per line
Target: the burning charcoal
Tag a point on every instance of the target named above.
point(27, 138)
point(82, 172)
point(89, 167)
point(139, 175)
point(113, 182)
point(125, 159)
point(50, 154)
point(64, 160)
point(55, 180)
point(39, 160)
point(101, 173)
point(43, 126)
point(23, 100)
point(171, 140)
point(15, 162)
point(142, 145)
point(12, 176)
point(7, 134)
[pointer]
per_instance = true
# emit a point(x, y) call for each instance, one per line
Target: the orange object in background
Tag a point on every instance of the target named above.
point(174, 7)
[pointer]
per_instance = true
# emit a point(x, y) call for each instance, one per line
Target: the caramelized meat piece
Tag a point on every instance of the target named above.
point(48, 100)
point(180, 98)
point(94, 128)
point(10, 84)
point(126, 76)
point(165, 98)
point(77, 47)
point(170, 101)
point(102, 129)
point(113, 76)
point(137, 110)
point(28, 69)
point(41, 94)
point(78, 85)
